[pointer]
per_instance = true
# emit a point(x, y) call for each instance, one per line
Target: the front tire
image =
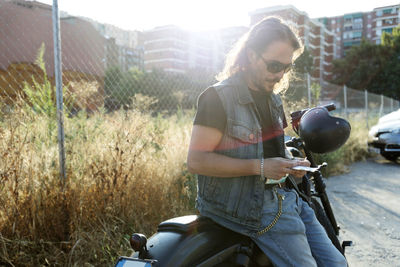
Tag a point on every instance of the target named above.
point(324, 221)
point(391, 157)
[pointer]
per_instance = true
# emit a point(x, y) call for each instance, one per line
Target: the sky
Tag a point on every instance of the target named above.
point(201, 15)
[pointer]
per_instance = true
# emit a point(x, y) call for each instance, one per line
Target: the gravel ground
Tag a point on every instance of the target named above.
point(366, 204)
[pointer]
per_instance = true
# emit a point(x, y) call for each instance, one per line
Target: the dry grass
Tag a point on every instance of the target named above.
point(125, 174)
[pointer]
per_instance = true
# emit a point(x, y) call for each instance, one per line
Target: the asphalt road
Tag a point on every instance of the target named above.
point(366, 203)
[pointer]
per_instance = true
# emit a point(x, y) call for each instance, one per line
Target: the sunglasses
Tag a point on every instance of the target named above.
point(274, 66)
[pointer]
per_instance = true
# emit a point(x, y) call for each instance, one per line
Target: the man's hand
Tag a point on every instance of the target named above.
point(276, 168)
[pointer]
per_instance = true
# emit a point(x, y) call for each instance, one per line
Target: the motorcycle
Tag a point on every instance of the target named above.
point(198, 241)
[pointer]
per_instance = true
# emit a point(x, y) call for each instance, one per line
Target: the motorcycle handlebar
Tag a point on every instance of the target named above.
point(296, 115)
point(330, 107)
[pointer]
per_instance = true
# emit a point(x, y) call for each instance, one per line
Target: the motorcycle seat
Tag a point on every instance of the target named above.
point(207, 232)
point(187, 224)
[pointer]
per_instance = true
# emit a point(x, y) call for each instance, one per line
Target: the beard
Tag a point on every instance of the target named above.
point(267, 85)
point(261, 83)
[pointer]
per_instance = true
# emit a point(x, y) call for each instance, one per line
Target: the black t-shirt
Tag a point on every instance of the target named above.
point(211, 113)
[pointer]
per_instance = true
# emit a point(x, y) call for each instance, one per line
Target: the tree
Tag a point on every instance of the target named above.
point(391, 73)
point(41, 95)
point(372, 67)
point(120, 87)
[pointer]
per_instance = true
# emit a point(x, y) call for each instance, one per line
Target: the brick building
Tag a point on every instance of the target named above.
point(24, 27)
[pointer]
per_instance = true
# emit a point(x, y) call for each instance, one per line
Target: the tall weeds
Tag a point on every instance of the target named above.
point(125, 174)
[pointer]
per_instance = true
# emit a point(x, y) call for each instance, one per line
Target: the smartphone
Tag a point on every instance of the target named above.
point(305, 168)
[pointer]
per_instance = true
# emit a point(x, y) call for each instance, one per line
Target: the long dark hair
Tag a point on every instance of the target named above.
point(258, 38)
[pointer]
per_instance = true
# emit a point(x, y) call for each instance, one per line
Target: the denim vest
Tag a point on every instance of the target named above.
point(238, 199)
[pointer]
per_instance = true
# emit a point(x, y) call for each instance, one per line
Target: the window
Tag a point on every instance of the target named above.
point(379, 13)
point(379, 23)
point(347, 44)
point(390, 30)
point(357, 35)
point(387, 11)
point(387, 21)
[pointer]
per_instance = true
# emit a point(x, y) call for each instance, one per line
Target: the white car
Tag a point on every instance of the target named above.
point(384, 137)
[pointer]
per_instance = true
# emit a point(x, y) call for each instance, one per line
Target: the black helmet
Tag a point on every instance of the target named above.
point(321, 132)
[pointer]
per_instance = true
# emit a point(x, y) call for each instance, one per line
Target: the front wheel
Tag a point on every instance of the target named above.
point(324, 221)
point(391, 157)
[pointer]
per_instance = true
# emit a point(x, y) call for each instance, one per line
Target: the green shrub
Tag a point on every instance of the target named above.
point(41, 97)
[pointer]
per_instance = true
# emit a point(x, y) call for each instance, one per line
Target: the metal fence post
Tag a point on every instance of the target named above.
point(345, 99)
point(391, 104)
point(59, 89)
point(366, 106)
point(381, 107)
point(309, 90)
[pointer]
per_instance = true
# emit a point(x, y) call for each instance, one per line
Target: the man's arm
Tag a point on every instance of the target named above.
point(203, 160)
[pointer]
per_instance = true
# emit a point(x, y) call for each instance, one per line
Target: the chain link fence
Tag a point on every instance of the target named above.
point(349, 100)
point(104, 67)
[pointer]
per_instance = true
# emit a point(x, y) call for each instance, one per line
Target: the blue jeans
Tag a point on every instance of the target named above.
point(297, 239)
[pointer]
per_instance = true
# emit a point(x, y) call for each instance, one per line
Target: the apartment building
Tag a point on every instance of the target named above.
point(384, 20)
point(124, 47)
point(123, 56)
point(176, 50)
point(314, 35)
point(351, 28)
point(166, 48)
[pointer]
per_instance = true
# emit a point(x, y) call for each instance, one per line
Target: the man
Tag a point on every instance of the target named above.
point(237, 149)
